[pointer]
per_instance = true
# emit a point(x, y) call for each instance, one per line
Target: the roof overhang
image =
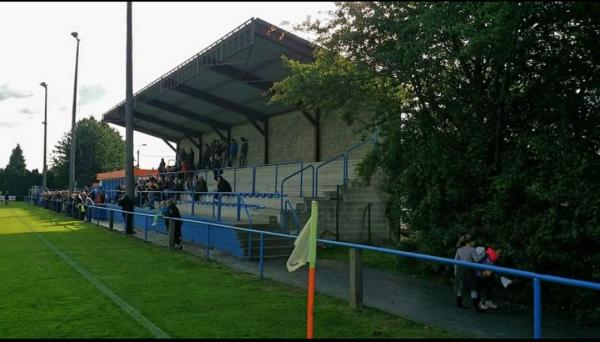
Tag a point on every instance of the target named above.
point(222, 86)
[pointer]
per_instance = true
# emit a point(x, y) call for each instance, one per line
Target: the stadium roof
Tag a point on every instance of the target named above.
point(219, 87)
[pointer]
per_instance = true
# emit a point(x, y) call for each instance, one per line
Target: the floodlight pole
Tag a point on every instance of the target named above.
point(44, 168)
point(72, 157)
point(128, 110)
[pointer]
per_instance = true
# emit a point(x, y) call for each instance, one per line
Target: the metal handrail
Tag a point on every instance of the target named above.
point(536, 277)
point(301, 172)
point(372, 139)
point(341, 155)
point(240, 200)
point(293, 211)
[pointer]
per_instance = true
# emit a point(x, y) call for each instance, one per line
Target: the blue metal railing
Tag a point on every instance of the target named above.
point(301, 172)
point(371, 139)
point(536, 277)
point(217, 203)
point(217, 171)
point(334, 158)
point(293, 211)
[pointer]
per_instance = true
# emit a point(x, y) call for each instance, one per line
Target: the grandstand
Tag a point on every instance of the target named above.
point(293, 155)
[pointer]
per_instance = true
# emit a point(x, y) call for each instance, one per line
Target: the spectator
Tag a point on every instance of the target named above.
point(127, 204)
point(172, 211)
point(233, 149)
point(223, 185)
point(486, 278)
point(162, 166)
point(464, 280)
point(204, 155)
point(201, 186)
point(6, 199)
point(243, 152)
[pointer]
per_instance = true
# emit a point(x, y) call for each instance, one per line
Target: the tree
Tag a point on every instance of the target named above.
point(99, 148)
point(490, 114)
point(15, 178)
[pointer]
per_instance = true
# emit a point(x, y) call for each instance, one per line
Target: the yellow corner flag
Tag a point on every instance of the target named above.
point(305, 250)
point(299, 256)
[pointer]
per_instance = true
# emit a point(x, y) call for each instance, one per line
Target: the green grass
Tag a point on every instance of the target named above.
point(42, 296)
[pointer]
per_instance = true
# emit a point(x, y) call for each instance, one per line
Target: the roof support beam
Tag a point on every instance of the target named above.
point(171, 146)
point(192, 140)
point(140, 129)
point(221, 102)
point(166, 124)
point(188, 114)
point(251, 114)
point(243, 76)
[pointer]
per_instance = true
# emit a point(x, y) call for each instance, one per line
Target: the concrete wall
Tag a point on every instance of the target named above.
point(291, 137)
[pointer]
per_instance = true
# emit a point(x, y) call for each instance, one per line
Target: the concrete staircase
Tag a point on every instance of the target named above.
point(274, 246)
point(352, 218)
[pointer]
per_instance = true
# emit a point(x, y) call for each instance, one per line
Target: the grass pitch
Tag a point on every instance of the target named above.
point(62, 278)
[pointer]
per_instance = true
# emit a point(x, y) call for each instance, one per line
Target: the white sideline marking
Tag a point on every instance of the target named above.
point(116, 299)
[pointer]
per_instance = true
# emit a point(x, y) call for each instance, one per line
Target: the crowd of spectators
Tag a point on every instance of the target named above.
point(71, 202)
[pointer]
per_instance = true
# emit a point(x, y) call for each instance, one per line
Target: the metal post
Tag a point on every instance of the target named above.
point(111, 219)
point(219, 210)
point(253, 178)
point(129, 113)
point(301, 179)
point(44, 167)
point(262, 264)
point(234, 178)
point(356, 278)
point(537, 309)
point(207, 241)
point(249, 244)
point(73, 135)
point(171, 234)
point(146, 230)
point(337, 212)
point(238, 206)
point(276, 171)
point(193, 201)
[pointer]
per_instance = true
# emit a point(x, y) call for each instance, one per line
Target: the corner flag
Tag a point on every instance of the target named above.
point(306, 250)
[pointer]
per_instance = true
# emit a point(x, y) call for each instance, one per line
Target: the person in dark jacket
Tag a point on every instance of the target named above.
point(223, 185)
point(171, 210)
point(127, 204)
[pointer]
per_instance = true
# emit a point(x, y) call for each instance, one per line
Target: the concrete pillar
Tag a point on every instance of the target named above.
point(356, 278)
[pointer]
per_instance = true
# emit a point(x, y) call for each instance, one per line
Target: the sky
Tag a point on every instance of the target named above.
point(37, 46)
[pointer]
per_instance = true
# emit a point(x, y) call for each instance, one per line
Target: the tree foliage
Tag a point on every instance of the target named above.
point(490, 114)
point(15, 178)
point(98, 148)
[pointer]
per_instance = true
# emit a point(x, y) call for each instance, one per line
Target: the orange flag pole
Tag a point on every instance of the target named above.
point(312, 260)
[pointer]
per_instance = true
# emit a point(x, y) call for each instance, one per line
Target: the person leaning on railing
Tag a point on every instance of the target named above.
point(171, 210)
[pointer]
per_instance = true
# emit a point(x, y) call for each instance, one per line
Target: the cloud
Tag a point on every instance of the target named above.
point(9, 124)
point(90, 93)
point(27, 111)
point(7, 93)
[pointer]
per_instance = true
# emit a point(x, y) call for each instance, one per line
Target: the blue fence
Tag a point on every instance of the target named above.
point(536, 277)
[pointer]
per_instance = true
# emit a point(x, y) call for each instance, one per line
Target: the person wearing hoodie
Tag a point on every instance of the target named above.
point(464, 280)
